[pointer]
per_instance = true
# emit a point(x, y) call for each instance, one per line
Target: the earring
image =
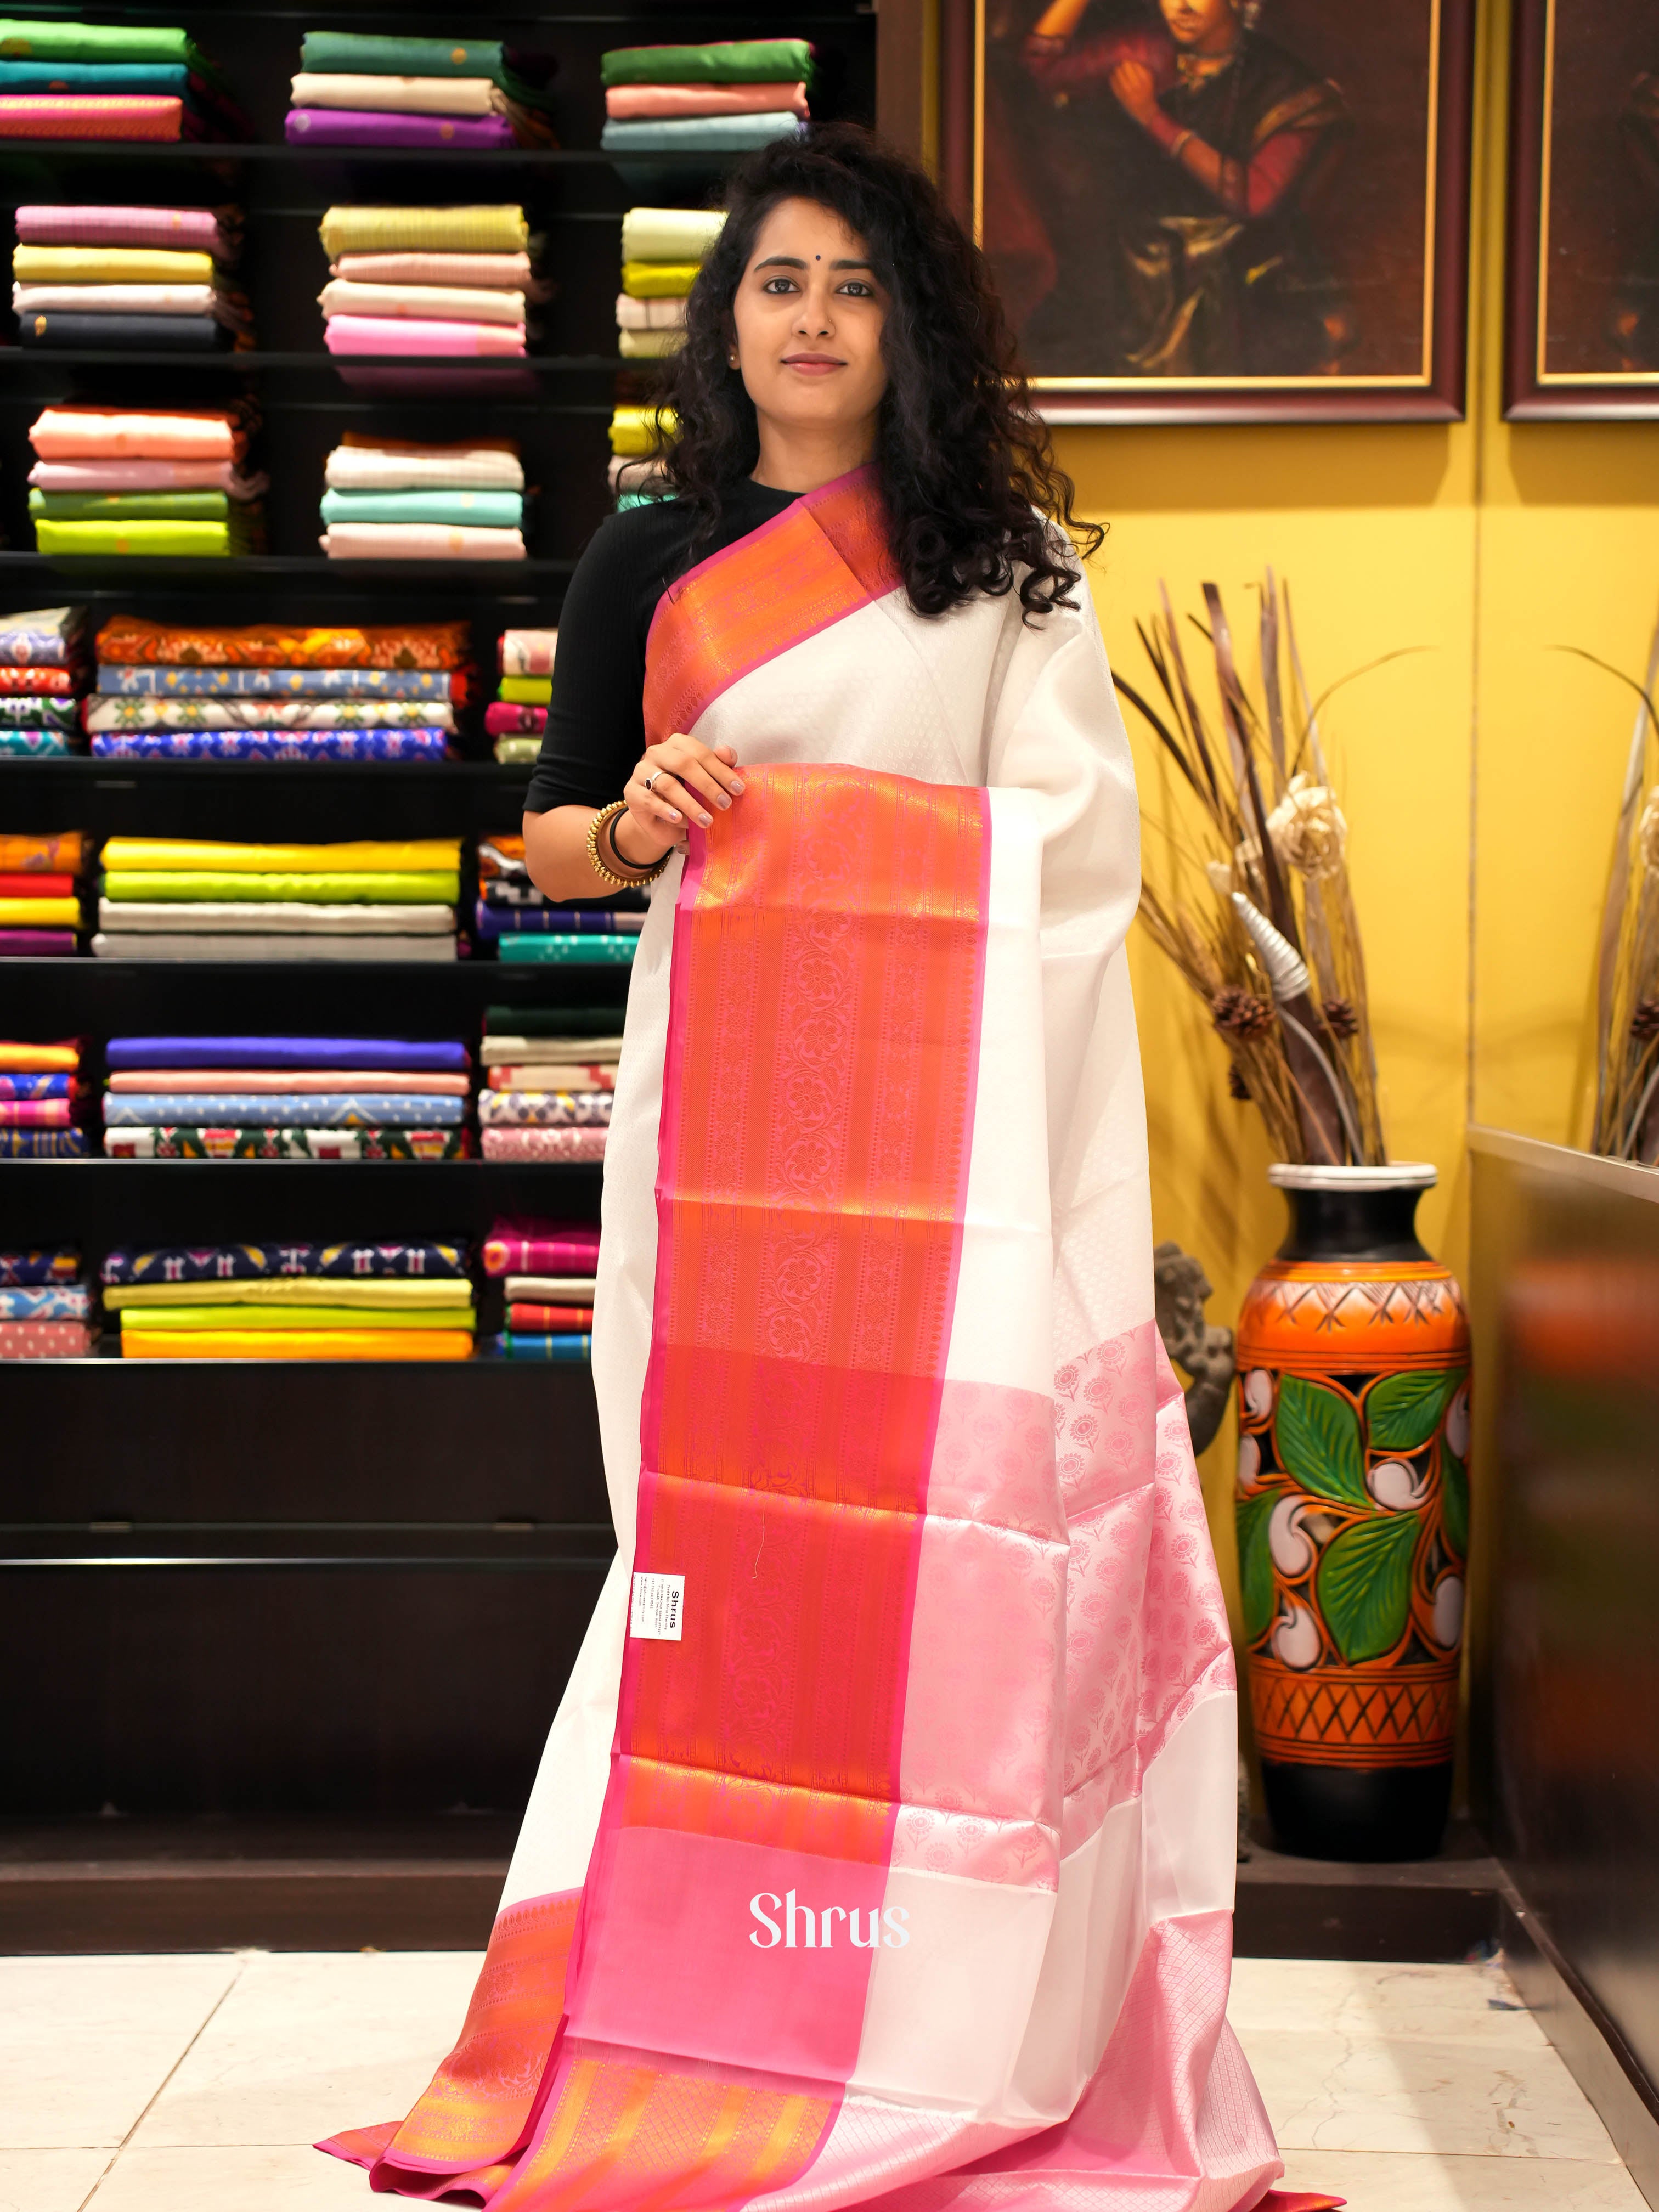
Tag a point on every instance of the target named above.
point(731, 361)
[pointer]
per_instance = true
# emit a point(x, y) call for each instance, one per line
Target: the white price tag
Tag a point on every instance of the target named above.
point(659, 1607)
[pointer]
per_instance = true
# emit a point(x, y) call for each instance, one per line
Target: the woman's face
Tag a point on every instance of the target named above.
point(808, 313)
point(1201, 26)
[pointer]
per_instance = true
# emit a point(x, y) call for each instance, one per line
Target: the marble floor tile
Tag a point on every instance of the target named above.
point(1339, 1997)
point(85, 2043)
point(1326, 2092)
point(49, 2180)
point(311, 2042)
point(231, 2178)
point(1397, 2181)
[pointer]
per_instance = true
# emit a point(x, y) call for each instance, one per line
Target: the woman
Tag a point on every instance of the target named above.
point(885, 1829)
point(1208, 140)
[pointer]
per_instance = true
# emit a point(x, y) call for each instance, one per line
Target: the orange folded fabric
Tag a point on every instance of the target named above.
point(129, 640)
point(638, 103)
point(23, 1059)
point(50, 855)
point(69, 433)
point(296, 1344)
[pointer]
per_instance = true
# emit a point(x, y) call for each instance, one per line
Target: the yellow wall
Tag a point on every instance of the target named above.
point(1479, 777)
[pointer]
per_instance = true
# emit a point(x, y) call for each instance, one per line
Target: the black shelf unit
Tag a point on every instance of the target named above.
point(275, 1588)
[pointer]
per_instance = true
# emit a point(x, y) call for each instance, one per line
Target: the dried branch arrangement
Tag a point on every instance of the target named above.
point(1627, 967)
point(1261, 919)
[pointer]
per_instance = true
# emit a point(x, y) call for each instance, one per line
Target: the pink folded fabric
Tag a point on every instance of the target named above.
point(68, 433)
point(45, 1339)
point(393, 334)
point(147, 476)
point(420, 541)
point(544, 1144)
point(639, 102)
point(96, 115)
point(224, 1080)
point(191, 230)
point(506, 272)
point(34, 1113)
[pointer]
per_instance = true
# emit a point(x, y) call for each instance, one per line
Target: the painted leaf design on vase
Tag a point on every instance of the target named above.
point(1256, 1565)
point(1365, 1585)
point(1402, 1412)
point(1317, 1431)
point(1454, 1502)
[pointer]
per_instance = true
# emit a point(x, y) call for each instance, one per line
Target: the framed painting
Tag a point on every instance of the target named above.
point(1583, 244)
point(1220, 210)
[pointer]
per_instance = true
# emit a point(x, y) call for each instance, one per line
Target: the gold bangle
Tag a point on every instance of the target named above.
point(608, 874)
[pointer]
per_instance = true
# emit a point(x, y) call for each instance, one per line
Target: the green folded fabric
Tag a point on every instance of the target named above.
point(317, 1316)
point(23, 39)
point(495, 509)
point(140, 536)
point(132, 505)
point(404, 888)
point(736, 61)
point(367, 54)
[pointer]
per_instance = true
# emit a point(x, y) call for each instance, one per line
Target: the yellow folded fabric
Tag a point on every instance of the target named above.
point(296, 1344)
point(415, 229)
point(407, 1293)
point(40, 913)
point(176, 854)
point(658, 280)
point(316, 1315)
point(109, 265)
point(633, 429)
point(526, 690)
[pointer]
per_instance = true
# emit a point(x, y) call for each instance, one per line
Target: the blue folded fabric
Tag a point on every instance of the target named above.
point(302, 1110)
point(167, 78)
point(698, 133)
point(573, 1351)
point(14, 1085)
point(57, 1266)
point(139, 682)
point(273, 744)
point(244, 1263)
point(492, 509)
point(490, 920)
point(54, 1302)
point(424, 1055)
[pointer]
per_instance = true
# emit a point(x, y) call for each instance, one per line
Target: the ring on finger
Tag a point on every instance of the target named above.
point(652, 778)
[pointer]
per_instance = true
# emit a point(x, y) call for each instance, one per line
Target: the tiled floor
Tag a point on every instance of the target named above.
point(196, 2084)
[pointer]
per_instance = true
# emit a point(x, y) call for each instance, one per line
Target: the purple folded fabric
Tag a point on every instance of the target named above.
point(424, 1055)
point(350, 126)
point(273, 744)
point(35, 943)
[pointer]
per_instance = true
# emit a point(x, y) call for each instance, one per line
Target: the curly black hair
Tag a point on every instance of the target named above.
point(976, 501)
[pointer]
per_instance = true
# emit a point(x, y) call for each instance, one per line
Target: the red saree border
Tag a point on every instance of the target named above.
point(821, 560)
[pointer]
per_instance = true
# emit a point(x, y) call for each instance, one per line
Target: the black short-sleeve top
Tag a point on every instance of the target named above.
point(595, 719)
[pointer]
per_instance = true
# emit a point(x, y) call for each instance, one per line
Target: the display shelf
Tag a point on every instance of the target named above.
point(251, 571)
point(253, 361)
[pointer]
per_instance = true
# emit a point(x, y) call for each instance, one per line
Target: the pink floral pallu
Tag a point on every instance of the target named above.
point(883, 1843)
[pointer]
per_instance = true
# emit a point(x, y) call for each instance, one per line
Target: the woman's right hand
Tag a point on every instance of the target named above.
point(686, 779)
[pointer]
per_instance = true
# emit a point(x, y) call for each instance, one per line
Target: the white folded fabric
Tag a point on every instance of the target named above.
point(260, 917)
point(649, 345)
point(626, 472)
point(399, 95)
point(669, 233)
point(442, 303)
point(649, 314)
point(500, 1050)
point(420, 541)
point(501, 271)
point(398, 467)
point(549, 1289)
point(138, 944)
point(110, 712)
point(124, 299)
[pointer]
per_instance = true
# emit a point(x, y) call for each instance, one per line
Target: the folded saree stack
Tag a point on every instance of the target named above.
point(287, 1098)
point(546, 1270)
point(436, 283)
point(462, 94)
point(158, 462)
point(697, 106)
point(182, 899)
point(636, 436)
point(41, 1093)
point(149, 278)
point(40, 912)
point(47, 1304)
point(68, 80)
point(42, 677)
point(549, 1074)
point(278, 691)
point(511, 910)
point(347, 1301)
point(387, 499)
point(516, 717)
point(663, 249)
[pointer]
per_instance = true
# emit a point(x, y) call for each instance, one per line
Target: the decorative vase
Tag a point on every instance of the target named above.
point(1353, 1516)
